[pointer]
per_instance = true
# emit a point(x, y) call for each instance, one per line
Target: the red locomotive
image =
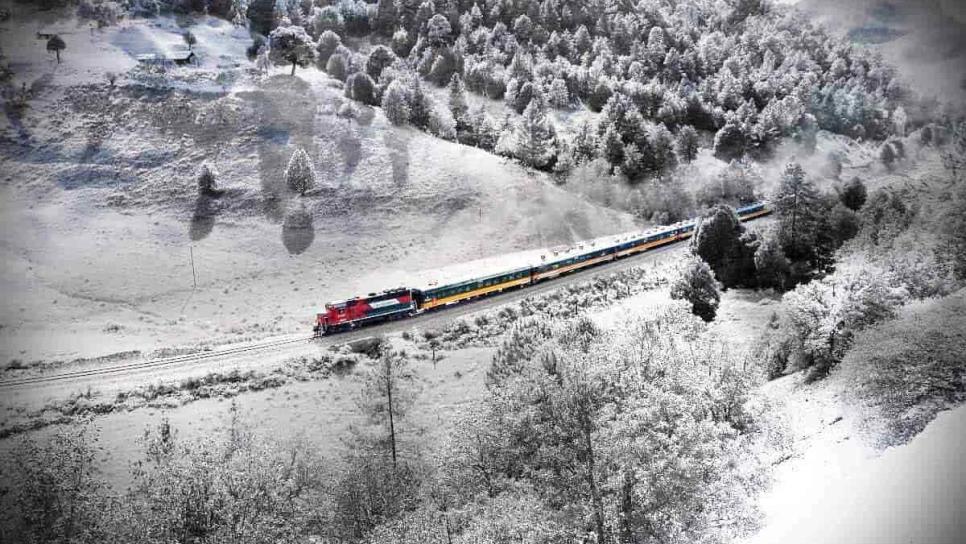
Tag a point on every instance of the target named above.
point(377, 307)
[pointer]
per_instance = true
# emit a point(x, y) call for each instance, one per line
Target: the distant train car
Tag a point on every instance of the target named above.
point(355, 312)
point(752, 211)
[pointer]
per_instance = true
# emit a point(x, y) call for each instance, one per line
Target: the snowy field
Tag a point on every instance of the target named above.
point(92, 172)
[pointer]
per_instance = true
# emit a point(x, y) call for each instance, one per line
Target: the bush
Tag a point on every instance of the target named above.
point(822, 317)
point(395, 103)
point(360, 87)
point(853, 194)
point(696, 284)
point(337, 67)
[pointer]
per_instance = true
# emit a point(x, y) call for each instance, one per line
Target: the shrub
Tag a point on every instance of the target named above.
point(360, 87)
point(696, 284)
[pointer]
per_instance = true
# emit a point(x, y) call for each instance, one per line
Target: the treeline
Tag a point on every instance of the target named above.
point(582, 435)
point(749, 72)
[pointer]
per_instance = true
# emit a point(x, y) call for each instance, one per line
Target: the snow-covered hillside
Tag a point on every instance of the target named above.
point(92, 172)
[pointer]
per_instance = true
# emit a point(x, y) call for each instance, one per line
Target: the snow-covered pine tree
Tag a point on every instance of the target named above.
point(337, 66)
point(300, 173)
point(360, 87)
point(558, 94)
point(687, 144)
point(395, 103)
point(385, 17)
point(584, 144)
point(457, 101)
point(329, 42)
point(378, 60)
point(420, 106)
point(534, 135)
point(661, 147)
point(696, 284)
point(797, 204)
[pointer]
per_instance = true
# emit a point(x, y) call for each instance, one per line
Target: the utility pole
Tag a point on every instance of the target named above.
point(194, 276)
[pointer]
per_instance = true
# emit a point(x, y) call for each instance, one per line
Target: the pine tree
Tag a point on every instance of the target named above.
point(300, 173)
point(771, 265)
point(797, 204)
point(661, 145)
point(395, 103)
point(722, 242)
point(438, 30)
point(611, 146)
point(696, 284)
point(559, 95)
point(263, 62)
point(729, 142)
point(687, 144)
point(457, 101)
point(329, 42)
point(599, 96)
point(337, 67)
point(385, 18)
point(378, 60)
point(206, 180)
point(419, 106)
point(387, 394)
point(584, 143)
point(534, 135)
point(360, 88)
point(888, 155)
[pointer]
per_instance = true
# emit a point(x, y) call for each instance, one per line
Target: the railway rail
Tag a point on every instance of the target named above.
point(154, 363)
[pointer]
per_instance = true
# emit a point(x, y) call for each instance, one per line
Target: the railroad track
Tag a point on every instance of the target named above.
point(154, 363)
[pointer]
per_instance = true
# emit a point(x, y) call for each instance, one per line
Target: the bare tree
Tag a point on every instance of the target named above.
point(189, 39)
point(387, 394)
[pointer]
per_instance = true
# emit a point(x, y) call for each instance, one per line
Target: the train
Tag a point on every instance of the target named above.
point(403, 302)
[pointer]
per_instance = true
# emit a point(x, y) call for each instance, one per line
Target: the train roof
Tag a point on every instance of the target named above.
point(486, 268)
point(371, 296)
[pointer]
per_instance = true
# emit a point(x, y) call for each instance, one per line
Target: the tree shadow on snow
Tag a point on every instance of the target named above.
point(350, 145)
point(203, 219)
point(398, 143)
point(298, 233)
point(271, 165)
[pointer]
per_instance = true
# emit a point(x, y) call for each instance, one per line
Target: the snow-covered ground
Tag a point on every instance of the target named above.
point(837, 488)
